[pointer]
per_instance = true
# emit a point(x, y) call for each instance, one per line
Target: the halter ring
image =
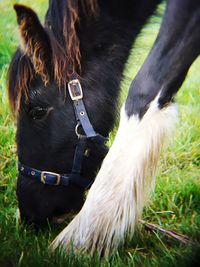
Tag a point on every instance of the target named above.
point(77, 133)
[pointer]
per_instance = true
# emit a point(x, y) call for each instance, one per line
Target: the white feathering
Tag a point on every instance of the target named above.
point(117, 197)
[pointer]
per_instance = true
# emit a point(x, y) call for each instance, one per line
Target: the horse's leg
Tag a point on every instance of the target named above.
point(116, 199)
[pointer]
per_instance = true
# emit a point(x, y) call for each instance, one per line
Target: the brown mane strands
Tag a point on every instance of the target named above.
point(71, 20)
point(35, 58)
point(66, 59)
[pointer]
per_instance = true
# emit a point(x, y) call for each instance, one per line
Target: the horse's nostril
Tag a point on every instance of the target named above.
point(61, 218)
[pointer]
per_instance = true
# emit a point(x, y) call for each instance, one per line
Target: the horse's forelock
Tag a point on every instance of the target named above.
point(71, 19)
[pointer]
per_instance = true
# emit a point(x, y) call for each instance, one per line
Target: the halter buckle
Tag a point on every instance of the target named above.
point(75, 89)
point(53, 174)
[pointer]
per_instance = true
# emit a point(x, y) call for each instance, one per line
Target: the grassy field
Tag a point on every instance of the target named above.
point(173, 206)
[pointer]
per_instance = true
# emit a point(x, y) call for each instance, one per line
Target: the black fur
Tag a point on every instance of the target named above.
point(175, 49)
point(48, 143)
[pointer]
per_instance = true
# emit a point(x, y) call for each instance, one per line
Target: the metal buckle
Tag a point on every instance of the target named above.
point(75, 89)
point(43, 177)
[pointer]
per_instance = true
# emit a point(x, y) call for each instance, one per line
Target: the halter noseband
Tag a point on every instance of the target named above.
point(52, 178)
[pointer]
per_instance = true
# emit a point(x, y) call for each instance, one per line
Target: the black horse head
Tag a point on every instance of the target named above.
point(93, 40)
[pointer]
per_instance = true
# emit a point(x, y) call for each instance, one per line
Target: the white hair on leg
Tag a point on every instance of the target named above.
point(117, 197)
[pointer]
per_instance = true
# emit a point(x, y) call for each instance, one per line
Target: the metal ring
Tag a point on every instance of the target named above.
point(76, 131)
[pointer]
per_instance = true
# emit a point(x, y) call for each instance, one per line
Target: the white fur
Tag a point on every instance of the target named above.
point(117, 197)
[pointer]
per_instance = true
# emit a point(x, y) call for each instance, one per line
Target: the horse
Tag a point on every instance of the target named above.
point(64, 87)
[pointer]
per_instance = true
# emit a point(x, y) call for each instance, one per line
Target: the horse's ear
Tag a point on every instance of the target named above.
point(35, 40)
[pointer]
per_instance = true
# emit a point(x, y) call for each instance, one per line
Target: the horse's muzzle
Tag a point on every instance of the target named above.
point(39, 203)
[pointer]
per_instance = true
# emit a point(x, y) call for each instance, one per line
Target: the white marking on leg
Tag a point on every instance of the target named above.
point(117, 197)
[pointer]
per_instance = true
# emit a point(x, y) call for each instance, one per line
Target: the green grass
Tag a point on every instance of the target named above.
point(177, 189)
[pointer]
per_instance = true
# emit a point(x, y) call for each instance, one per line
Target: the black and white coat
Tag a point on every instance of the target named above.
point(119, 192)
point(117, 197)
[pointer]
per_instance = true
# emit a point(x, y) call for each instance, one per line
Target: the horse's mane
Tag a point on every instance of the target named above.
point(61, 24)
point(64, 17)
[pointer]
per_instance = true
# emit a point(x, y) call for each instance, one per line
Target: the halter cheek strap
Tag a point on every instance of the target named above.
point(76, 94)
point(51, 178)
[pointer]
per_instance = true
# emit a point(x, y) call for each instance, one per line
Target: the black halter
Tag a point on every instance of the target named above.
point(51, 178)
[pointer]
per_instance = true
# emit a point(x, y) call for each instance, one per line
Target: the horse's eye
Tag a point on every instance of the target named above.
point(38, 113)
